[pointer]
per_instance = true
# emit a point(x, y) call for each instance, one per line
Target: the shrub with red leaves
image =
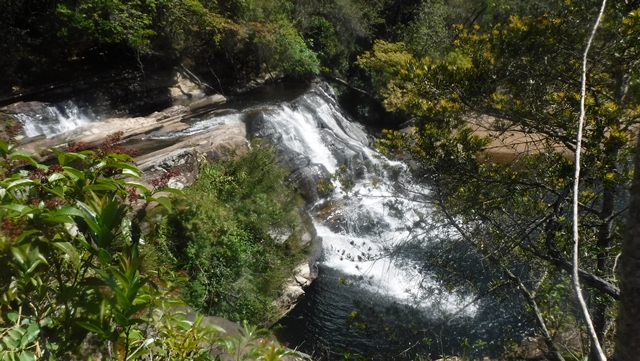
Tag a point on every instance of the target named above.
point(75, 147)
point(11, 228)
point(12, 129)
point(163, 180)
point(109, 146)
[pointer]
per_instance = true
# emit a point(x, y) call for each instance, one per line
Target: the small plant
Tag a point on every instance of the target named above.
point(325, 187)
point(255, 344)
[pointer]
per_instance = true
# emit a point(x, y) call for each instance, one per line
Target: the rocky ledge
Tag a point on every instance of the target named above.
point(154, 136)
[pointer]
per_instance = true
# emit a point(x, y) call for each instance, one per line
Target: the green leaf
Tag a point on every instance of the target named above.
point(25, 156)
point(59, 219)
point(12, 316)
point(56, 176)
point(121, 319)
point(66, 211)
point(100, 187)
point(121, 277)
point(20, 208)
point(91, 327)
point(122, 299)
point(171, 190)
point(138, 185)
point(62, 157)
point(26, 234)
point(104, 256)
point(11, 343)
point(74, 173)
point(70, 251)
point(27, 356)
point(4, 147)
point(123, 165)
point(18, 183)
point(166, 202)
point(32, 333)
point(131, 173)
point(18, 255)
point(57, 190)
point(16, 333)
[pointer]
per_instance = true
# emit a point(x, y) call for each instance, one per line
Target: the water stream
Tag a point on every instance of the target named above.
point(54, 119)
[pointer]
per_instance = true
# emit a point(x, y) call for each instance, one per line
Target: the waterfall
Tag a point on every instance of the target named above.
point(355, 226)
point(54, 119)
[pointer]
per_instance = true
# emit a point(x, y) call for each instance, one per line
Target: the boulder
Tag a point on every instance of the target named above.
point(304, 274)
point(221, 142)
point(28, 108)
point(184, 88)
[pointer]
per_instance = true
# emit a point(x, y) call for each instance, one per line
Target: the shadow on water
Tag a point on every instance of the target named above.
point(337, 316)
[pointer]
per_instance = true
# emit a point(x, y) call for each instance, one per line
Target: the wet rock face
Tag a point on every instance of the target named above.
point(314, 112)
point(306, 180)
point(303, 276)
point(182, 154)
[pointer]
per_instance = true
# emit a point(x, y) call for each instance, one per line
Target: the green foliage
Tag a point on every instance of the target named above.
point(386, 62)
point(510, 203)
point(429, 33)
point(323, 40)
point(254, 344)
point(70, 241)
point(263, 11)
point(285, 51)
point(75, 283)
point(237, 236)
point(127, 22)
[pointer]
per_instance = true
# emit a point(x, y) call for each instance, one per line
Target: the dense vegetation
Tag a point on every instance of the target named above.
point(224, 42)
point(82, 280)
point(517, 81)
point(238, 238)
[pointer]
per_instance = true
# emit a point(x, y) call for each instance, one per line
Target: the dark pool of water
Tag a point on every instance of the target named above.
point(335, 318)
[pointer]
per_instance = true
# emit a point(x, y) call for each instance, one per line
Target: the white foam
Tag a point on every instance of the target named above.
point(300, 132)
point(56, 120)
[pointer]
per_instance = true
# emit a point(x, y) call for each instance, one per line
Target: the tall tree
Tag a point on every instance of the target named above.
point(494, 135)
point(627, 335)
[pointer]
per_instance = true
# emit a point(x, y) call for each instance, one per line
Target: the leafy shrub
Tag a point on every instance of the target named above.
point(237, 236)
point(284, 50)
point(74, 283)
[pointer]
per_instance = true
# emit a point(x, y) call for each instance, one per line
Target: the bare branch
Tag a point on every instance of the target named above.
point(576, 242)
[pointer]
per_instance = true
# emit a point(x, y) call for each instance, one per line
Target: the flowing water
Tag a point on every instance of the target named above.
point(363, 301)
point(55, 119)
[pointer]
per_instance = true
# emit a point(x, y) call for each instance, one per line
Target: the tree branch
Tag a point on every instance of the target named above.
point(595, 343)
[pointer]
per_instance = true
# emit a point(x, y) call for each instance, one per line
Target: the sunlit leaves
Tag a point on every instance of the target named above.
point(494, 134)
point(70, 249)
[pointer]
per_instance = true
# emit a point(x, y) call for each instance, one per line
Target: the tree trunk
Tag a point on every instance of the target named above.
point(628, 327)
point(599, 311)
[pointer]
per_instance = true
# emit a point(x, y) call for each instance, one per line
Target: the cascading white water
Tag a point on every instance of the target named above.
point(54, 119)
point(349, 249)
point(360, 224)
